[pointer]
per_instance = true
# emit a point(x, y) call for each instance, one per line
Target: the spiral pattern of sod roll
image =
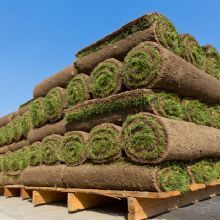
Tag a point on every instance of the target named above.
point(193, 52)
point(196, 112)
point(36, 154)
point(54, 104)
point(18, 131)
point(174, 176)
point(51, 148)
point(26, 124)
point(104, 144)
point(78, 89)
point(106, 78)
point(144, 138)
point(12, 161)
point(37, 113)
point(168, 105)
point(205, 171)
point(141, 66)
point(74, 148)
point(215, 116)
point(212, 61)
point(8, 133)
point(23, 155)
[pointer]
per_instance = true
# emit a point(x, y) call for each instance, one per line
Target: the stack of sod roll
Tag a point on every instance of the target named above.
point(139, 110)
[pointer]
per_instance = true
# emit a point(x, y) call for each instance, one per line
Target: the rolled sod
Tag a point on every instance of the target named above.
point(151, 66)
point(38, 134)
point(74, 148)
point(44, 176)
point(214, 112)
point(23, 157)
point(152, 139)
point(197, 112)
point(104, 144)
point(17, 128)
point(16, 146)
point(152, 27)
point(193, 52)
point(37, 112)
point(59, 79)
point(26, 124)
point(106, 78)
point(8, 133)
point(51, 148)
point(167, 105)
point(36, 154)
point(212, 61)
point(4, 150)
point(204, 171)
point(6, 119)
point(23, 108)
point(78, 89)
point(54, 103)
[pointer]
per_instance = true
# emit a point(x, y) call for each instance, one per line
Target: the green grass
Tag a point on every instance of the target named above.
point(51, 148)
point(167, 39)
point(36, 154)
point(212, 61)
point(37, 113)
point(53, 104)
point(194, 51)
point(26, 124)
point(78, 89)
point(106, 78)
point(18, 131)
point(174, 176)
point(8, 133)
point(141, 66)
point(144, 138)
point(104, 143)
point(215, 116)
point(74, 149)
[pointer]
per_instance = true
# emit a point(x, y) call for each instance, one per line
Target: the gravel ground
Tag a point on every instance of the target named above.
point(16, 209)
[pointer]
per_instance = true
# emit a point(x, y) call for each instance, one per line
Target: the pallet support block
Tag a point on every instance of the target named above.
point(25, 193)
point(43, 197)
point(80, 201)
point(1, 191)
point(11, 192)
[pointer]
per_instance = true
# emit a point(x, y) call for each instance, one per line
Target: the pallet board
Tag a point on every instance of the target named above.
point(141, 205)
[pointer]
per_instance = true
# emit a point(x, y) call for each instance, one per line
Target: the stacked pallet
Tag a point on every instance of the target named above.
point(139, 110)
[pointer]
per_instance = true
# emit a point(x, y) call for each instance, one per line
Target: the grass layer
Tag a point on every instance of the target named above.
point(104, 143)
point(78, 89)
point(144, 138)
point(106, 78)
point(36, 154)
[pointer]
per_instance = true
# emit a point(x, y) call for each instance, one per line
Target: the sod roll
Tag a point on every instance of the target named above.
point(17, 145)
point(193, 52)
point(78, 89)
point(59, 79)
point(54, 104)
point(151, 66)
point(17, 128)
point(74, 148)
point(26, 124)
point(106, 78)
point(159, 30)
point(4, 150)
point(104, 143)
point(36, 154)
point(45, 176)
point(37, 112)
point(6, 119)
point(51, 148)
point(214, 112)
point(38, 134)
point(212, 61)
point(152, 139)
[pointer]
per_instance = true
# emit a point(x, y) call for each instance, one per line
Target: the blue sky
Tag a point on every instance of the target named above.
point(40, 37)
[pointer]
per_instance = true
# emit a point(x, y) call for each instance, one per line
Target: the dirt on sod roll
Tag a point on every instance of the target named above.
point(59, 79)
point(160, 31)
point(36, 154)
point(18, 145)
point(54, 104)
point(45, 176)
point(12, 178)
point(152, 139)
point(149, 65)
point(212, 61)
point(78, 89)
point(104, 143)
point(37, 112)
point(52, 149)
point(106, 78)
point(74, 148)
point(6, 119)
point(38, 134)
point(193, 52)
point(4, 150)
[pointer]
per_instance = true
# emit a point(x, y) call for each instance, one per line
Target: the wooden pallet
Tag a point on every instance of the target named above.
point(141, 205)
